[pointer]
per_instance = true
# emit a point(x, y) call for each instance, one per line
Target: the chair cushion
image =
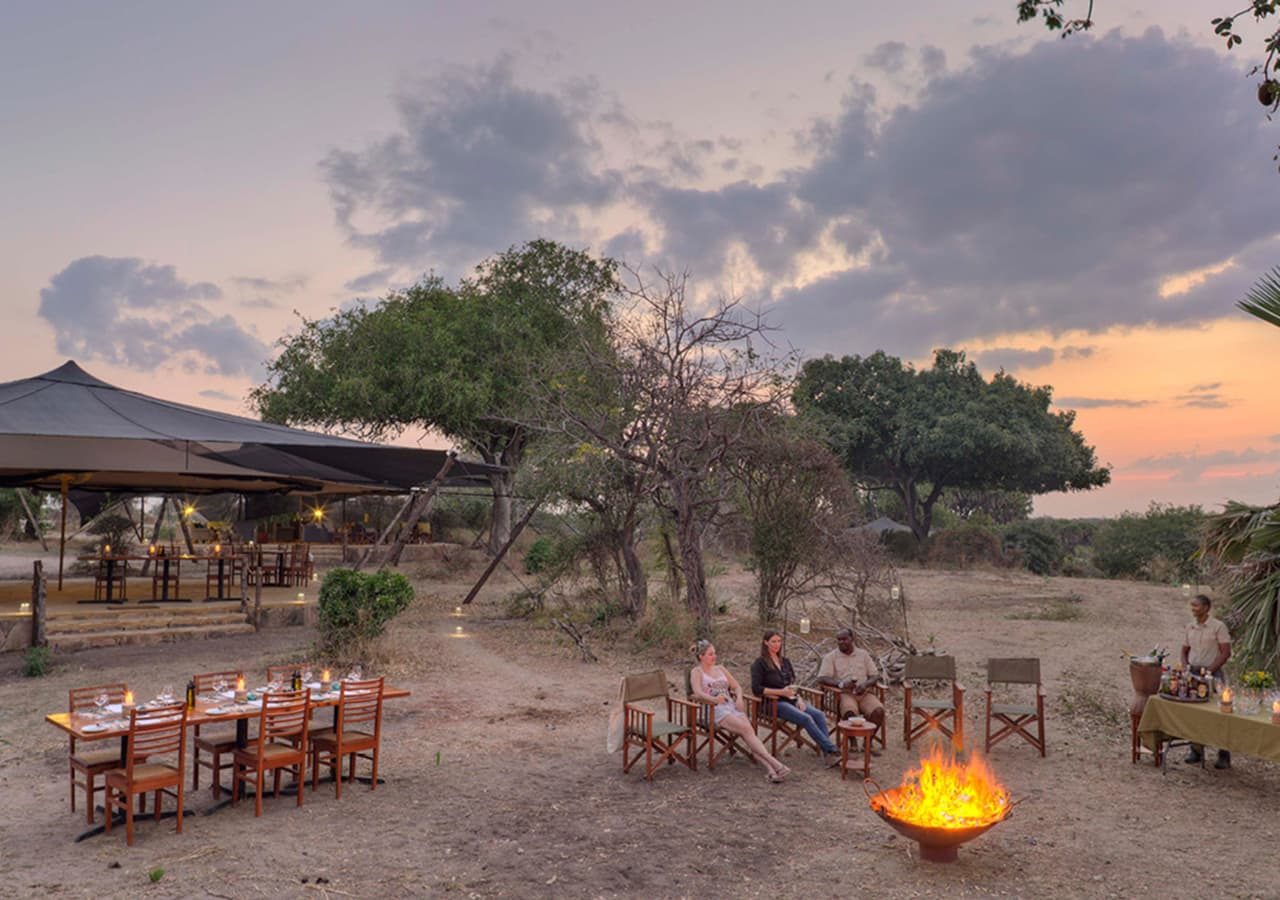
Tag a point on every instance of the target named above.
point(222, 742)
point(662, 728)
point(147, 772)
point(1012, 709)
point(329, 741)
point(95, 759)
point(932, 704)
point(272, 753)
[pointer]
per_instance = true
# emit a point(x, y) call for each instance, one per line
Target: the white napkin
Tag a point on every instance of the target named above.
point(317, 686)
point(116, 708)
point(227, 695)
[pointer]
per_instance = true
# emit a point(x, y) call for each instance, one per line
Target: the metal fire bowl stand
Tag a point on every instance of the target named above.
point(936, 844)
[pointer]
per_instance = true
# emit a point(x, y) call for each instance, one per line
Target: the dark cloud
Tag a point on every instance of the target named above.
point(480, 162)
point(1190, 466)
point(891, 57)
point(1073, 352)
point(933, 60)
point(376, 278)
point(1200, 388)
point(1097, 402)
point(1009, 358)
point(131, 313)
point(270, 285)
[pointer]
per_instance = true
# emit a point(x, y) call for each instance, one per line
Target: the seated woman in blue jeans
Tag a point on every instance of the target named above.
point(773, 676)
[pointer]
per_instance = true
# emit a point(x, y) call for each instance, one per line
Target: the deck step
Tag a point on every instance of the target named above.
point(58, 625)
point(118, 637)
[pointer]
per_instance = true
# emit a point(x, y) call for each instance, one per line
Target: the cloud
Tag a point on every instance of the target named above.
point(1204, 396)
point(1097, 403)
point(480, 161)
point(1010, 358)
point(1191, 466)
point(269, 285)
point(218, 395)
point(1075, 352)
point(376, 278)
point(888, 57)
point(259, 303)
point(131, 313)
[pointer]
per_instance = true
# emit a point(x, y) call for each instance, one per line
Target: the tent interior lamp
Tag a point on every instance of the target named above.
point(188, 510)
point(318, 514)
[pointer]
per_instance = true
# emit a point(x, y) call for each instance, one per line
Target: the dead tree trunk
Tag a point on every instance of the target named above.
point(39, 591)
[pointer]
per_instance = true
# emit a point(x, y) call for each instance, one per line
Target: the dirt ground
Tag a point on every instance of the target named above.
point(498, 783)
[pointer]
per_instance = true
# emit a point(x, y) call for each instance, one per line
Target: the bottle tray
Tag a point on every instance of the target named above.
point(1176, 699)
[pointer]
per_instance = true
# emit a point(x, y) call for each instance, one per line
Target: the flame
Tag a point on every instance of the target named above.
point(1226, 695)
point(946, 793)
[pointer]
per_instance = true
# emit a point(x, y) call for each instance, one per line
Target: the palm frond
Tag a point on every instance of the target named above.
point(1263, 299)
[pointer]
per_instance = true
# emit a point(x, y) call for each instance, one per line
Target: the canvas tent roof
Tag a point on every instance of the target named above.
point(68, 424)
point(883, 524)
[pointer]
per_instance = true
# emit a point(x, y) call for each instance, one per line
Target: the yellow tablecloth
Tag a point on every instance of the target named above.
point(1203, 723)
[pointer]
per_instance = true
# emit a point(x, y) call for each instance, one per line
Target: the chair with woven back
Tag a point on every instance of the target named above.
point(297, 567)
point(831, 709)
point(217, 745)
point(98, 757)
point(920, 713)
point(356, 735)
point(1014, 718)
point(110, 580)
point(232, 572)
point(717, 741)
point(764, 714)
point(646, 734)
point(282, 744)
point(157, 732)
point(165, 576)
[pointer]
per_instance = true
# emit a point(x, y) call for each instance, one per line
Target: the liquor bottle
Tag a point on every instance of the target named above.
point(296, 683)
point(191, 694)
point(1202, 688)
point(1174, 677)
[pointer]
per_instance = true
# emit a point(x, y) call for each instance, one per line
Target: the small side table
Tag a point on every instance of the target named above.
point(849, 734)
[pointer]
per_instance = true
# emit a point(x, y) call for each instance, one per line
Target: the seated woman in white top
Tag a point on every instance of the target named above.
point(714, 684)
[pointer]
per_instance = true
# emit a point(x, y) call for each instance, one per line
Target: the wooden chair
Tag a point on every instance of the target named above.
point(831, 709)
point(87, 763)
point(358, 733)
point(764, 713)
point(932, 713)
point(284, 674)
point(282, 744)
point(219, 745)
point(232, 571)
point(716, 741)
point(297, 567)
point(163, 576)
point(1012, 717)
point(111, 573)
point(647, 734)
point(160, 731)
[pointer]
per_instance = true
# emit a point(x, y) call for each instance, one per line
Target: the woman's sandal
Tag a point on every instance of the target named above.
point(774, 779)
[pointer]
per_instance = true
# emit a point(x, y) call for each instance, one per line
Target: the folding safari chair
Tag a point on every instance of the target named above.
point(1014, 718)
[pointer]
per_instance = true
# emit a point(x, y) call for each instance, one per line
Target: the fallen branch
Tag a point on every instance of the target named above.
point(578, 638)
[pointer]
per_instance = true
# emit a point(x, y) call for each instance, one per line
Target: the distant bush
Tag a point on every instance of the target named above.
point(901, 545)
point(1130, 545)
point(964, 545)
point(540, 555)
point(35, 664)
point(456, 513)
point(355, 608)
point(1033, 544)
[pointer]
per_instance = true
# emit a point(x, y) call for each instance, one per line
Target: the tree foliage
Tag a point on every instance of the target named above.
point(459, 359)
point(1140, 546)
point(919, 432)
point(1245, 541)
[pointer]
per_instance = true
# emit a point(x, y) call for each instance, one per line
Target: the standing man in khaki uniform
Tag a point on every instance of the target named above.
point(1207, 645)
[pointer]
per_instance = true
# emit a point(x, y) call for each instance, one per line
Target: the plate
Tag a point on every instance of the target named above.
point(215, 711)
point(1164, 696)
point(857, 722)
point(93, 729)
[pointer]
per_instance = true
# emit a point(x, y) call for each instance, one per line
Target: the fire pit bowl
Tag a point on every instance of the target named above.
point(937, 844)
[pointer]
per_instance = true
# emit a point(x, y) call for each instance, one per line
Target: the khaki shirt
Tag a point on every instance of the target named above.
point(1204, 640)
point(855, 666)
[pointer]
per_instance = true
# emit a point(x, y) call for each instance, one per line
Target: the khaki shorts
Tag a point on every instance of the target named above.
point(863, 705)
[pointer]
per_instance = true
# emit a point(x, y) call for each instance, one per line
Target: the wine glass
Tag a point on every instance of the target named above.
point(274, 686)
point(355, 673)
point(166, 693)
point(100, 701)
point(219, 685)
point(306, 676)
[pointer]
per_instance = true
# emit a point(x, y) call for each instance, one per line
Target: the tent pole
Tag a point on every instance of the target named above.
point(35, 523)
point(62, 542)
point(515, 533)
point(344, 531)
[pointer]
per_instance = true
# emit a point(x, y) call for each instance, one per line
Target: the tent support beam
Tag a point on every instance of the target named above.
point(515, 533)
point(62, 541)
point(35, 523)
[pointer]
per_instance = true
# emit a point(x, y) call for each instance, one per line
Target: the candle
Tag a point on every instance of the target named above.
point(324, 677)
point(217, 549)
point(457, 629)
point(804, 624)
point(895, 592)
point(151, 550)
point(302, 597)
point(239, 682)
point(1186, 590)
point(106, 549)
point(1275, 712)
point(128, 698)
point(1225, 701)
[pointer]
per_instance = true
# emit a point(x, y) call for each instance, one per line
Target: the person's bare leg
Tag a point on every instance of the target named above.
point(741, 727)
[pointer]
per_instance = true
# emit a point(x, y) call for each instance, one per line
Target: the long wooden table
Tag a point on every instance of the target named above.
point(74, 724)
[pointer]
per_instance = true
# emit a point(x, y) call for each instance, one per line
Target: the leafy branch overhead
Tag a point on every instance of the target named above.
point(1051, 13)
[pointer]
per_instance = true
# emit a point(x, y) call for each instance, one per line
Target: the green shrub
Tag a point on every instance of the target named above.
point(355, 607)
point(901, 546)
point(964, 545)
point(1129, 546)
point(36, 662)
point(1034, 546)
point(540, 555)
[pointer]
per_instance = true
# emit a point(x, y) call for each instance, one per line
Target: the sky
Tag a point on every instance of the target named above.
point(183, 182)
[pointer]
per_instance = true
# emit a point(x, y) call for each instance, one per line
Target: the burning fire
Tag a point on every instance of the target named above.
point(946, 793)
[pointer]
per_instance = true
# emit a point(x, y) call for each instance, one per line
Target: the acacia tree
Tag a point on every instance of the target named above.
point(917, 433)
point(796, 501)
point(670, 398)
point(462, 360)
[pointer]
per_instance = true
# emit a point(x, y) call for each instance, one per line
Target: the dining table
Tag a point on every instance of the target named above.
point(112, 723)
point(1164, 720)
